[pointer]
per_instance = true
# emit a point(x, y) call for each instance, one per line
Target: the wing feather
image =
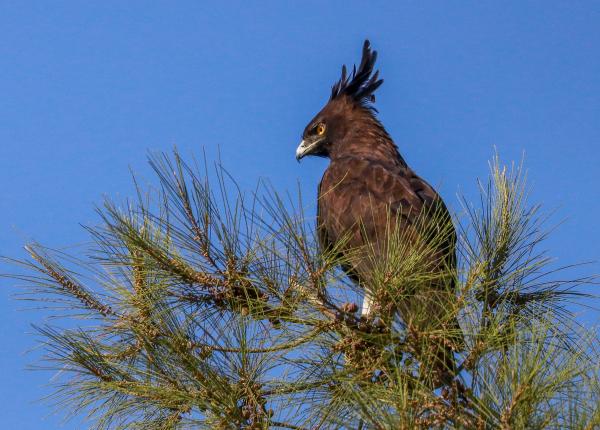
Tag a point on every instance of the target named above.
point(358, 199)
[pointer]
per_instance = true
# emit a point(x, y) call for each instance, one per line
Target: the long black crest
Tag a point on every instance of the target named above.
point(360, 85)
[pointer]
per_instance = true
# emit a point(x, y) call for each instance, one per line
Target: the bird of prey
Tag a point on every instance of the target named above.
point(369, 191)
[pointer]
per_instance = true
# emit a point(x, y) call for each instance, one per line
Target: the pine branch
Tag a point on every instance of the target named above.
point(223, 312)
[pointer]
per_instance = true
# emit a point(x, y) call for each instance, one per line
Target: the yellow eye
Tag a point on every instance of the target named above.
point(321, 129)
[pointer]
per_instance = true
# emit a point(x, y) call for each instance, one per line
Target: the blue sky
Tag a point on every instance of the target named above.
point(87, 88)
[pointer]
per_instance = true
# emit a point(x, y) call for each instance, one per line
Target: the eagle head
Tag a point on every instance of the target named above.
point(351, 97)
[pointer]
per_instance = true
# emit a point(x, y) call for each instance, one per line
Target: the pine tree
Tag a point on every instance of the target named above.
point(201, 307)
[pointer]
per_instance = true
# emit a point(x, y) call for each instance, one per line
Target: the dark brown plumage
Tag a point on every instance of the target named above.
point(368, 191)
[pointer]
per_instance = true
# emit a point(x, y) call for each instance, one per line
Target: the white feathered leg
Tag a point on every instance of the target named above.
point(367, 304)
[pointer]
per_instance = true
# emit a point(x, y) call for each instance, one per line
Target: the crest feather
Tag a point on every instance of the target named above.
point(360, 84)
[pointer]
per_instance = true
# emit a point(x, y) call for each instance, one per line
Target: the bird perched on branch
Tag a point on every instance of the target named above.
point(368, 194)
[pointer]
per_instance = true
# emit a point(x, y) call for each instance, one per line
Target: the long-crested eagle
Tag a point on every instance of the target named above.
point(368, 191)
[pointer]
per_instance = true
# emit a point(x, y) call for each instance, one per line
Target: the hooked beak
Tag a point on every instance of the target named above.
point(304, 149)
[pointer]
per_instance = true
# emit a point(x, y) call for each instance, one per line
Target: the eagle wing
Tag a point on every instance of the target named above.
point(361, 201)
point(358, 198)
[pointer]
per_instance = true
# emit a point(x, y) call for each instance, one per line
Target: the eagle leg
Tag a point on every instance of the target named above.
point(367, 305)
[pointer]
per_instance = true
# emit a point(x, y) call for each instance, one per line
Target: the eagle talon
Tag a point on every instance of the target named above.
point(349, 307)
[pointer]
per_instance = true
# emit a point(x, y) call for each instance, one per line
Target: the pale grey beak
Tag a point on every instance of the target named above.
point(300, 151)
point(304, 149)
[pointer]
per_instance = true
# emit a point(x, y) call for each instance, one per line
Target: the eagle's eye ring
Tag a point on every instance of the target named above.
point(321, 129)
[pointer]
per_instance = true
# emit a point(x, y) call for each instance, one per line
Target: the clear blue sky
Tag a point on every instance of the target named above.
point(86, 88)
